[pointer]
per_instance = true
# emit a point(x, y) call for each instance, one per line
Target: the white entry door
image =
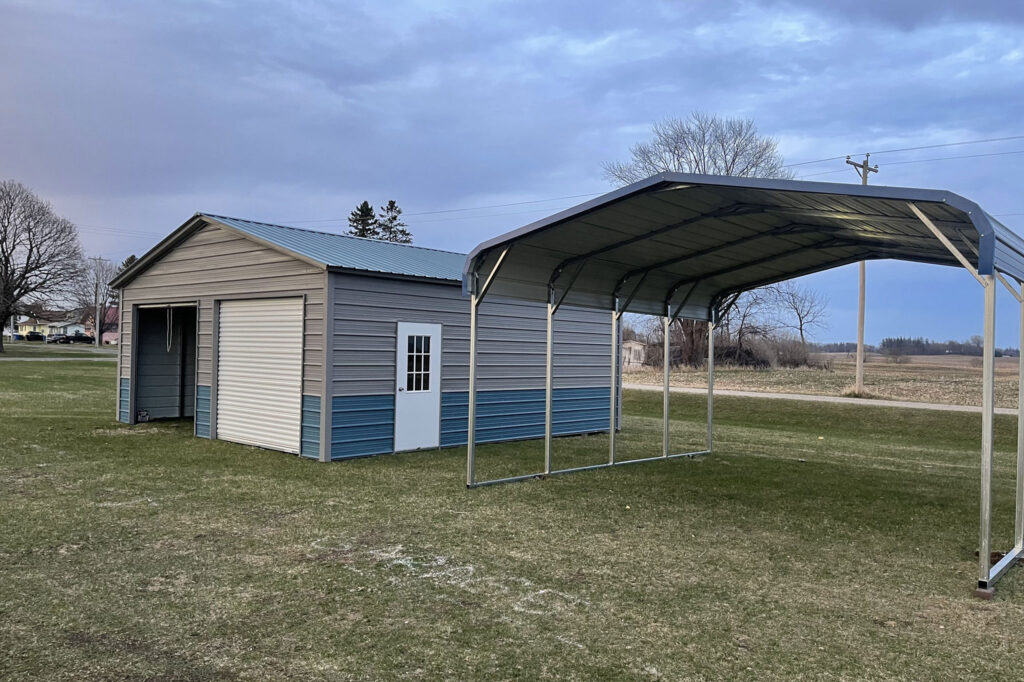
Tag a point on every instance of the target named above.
point(418, 386)
point(259, 373)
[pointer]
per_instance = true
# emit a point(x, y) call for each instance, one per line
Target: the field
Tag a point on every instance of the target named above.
point(951, 379)
point(823, 541)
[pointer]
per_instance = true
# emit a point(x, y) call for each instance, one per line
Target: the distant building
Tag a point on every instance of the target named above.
point(633, 354)
point(39, 324)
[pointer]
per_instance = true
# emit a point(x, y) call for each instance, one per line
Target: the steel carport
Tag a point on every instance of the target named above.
point(675, 245)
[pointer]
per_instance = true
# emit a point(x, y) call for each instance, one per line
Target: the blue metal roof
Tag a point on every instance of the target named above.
point(353, 253)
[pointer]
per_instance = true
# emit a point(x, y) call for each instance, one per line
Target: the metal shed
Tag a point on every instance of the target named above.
point(330, 346)
point(675, 245)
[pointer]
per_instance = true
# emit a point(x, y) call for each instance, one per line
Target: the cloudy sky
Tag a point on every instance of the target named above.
point(131, 116)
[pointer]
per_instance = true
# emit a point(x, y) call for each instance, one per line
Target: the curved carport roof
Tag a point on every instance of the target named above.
point(681, 242)
point(677, 244)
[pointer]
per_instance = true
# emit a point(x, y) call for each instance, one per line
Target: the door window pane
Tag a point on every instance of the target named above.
point(417, 363)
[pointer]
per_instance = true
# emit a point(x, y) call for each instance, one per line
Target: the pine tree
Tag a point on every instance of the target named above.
point(127, 263)
point(362, 222)
point(392, 228)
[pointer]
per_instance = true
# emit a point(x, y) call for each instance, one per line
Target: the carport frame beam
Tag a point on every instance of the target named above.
point(989, 574)
point(551, 308)
point(476, 297)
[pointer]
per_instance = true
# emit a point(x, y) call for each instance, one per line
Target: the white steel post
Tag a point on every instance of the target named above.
point(1018, 525)
point(471, 425)
point(987, 418)
point(547, 389)
point(666, 360)
point(614, 384)
point(859, 382)
point(711, 382)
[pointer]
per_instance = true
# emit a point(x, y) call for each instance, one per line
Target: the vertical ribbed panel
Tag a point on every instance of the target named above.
point(519, 414)
point(362, 425)
point(124, 401)
point(259, 373)
point(202, 422)
point(310, 426)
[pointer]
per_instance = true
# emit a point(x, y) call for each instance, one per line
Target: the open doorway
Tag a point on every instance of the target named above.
point(165, 362)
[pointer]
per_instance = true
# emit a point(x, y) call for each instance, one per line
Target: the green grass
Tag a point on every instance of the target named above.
point(819, 541)
point(38, 349)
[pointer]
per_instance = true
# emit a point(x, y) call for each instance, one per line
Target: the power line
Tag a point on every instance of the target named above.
point(115, 230)
point(909, 149)
point(594, 194)
point(940, 158)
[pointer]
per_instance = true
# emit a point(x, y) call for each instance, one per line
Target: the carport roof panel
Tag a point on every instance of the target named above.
point(685, 241)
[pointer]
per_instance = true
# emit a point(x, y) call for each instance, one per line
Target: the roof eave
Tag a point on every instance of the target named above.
point(392, 275)
point(161, 248)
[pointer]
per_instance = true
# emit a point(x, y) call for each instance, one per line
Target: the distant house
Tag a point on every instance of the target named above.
point(633, 353)
point(111, 318)
point(37, 324)
point(111, 333)
point(68, 326)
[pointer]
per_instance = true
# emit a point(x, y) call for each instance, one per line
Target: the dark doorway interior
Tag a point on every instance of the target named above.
point(165, 363)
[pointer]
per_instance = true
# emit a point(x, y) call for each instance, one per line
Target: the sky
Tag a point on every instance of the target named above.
point(131, 116)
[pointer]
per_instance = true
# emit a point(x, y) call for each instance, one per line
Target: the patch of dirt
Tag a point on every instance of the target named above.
point(406, 565)
point(133, 431)
point(178, 667)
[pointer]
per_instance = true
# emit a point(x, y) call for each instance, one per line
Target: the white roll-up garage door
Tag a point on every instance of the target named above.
point(259, 373)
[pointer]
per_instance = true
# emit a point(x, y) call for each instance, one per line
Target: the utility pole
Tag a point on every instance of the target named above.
point(98, 312)
point(863, 170)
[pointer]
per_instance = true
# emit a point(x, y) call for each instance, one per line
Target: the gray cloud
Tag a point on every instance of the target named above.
point(133, 116)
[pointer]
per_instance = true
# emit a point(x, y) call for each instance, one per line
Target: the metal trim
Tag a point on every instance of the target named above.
point(592, 467)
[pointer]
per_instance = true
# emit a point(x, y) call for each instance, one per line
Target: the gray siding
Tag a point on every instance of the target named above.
point(511, 347)
point(215, 263)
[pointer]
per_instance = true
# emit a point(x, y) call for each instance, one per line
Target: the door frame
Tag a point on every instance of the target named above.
point(133, 352)
point(436, 331)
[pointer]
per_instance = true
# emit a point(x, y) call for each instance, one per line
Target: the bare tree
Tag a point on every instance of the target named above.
point(802, 309)
point(748, 314)
point(705, 143)
point(92, 293)
point(40, 256)
point(702, 143)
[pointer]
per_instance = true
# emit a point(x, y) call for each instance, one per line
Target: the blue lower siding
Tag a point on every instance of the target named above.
point(310, 445)
point(519, 414)
point(362, 425)
point(124, 401)
point(365, 425)
point(202, 418)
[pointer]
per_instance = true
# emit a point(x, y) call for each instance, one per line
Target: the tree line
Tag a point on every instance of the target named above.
point(905, 345)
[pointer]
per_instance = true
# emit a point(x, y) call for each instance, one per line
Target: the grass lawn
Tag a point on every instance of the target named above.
point(822, 541)
point(38, 349)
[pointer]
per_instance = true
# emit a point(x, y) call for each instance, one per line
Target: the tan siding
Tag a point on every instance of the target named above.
point(124, 340)
point(215, 263)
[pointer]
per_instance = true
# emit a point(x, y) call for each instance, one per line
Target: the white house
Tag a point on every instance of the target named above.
point(633, 353)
